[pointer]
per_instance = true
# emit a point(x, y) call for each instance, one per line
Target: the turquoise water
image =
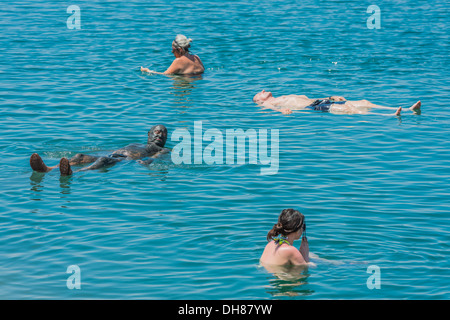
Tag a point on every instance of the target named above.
point(374, 189)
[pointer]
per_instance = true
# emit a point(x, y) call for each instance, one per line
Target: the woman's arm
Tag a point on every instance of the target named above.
point(173, 69)
point(304, 249)
point(296, 258)
point(150, 71)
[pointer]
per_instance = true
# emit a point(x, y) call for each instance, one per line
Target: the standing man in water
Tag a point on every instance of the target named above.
point(185, 62)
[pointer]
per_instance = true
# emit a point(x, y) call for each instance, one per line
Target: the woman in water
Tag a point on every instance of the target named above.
point(185, 62)
point(280, 250)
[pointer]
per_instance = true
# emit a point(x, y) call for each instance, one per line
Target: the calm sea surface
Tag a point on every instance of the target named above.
point(374, 188)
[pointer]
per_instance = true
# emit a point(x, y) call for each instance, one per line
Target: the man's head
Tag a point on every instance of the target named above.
point(157, 135)
point(262, 96)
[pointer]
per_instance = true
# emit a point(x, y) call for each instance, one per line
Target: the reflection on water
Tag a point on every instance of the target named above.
point(36, 179)
point(288, 281)
point(159, 167)
point(182, 88)
point(64, 184)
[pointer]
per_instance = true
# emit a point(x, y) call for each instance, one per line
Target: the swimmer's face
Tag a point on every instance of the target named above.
point(262, 96)
point(300, 231)
point(177, 52)
point(157, 135)
point(174, 51)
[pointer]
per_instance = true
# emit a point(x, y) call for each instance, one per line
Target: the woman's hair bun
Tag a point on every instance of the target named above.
point(181, 41)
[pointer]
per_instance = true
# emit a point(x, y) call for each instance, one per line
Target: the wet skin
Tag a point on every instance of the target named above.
point(157, 137)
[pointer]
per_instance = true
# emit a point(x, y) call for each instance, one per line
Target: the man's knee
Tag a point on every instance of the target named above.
point(81, 158)
point(105, 161)
point(78, 156)
point(76, 159)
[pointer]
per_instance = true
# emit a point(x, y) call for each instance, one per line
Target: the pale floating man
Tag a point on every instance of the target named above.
point(333, 104)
